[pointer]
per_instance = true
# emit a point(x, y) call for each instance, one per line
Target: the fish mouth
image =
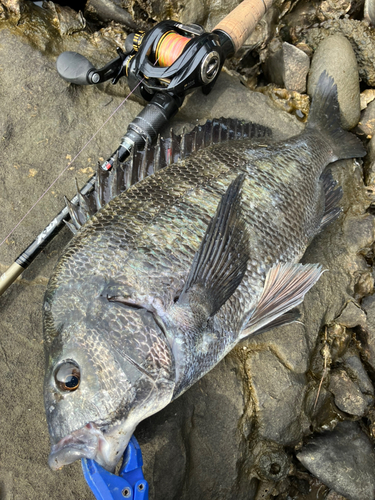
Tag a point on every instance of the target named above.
point(90, 442)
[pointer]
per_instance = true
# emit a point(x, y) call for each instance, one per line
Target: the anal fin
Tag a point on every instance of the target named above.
point(284, 288)
point(287, 318)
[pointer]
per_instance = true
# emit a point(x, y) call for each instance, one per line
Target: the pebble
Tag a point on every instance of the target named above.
point(369, 11)
point(355, 369)
point(370, 163)
point(342, 459)
point(336, 56)
point(332, 9)
point(366, 97)
point(360, 36)
point(288, 67)
point(368, 347)
point(366, 125)
point(351, 316)
point(348, 397)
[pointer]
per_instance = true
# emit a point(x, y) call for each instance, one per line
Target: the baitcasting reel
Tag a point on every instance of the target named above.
point(162, 66)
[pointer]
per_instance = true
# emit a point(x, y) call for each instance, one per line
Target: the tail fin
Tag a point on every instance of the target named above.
point(325, 117)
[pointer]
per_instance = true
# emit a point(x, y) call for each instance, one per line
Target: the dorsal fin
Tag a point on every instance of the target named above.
point(154, 157)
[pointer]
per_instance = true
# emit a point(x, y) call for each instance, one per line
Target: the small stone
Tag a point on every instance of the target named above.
point(332, 9)
point(366, 125)
point(355, 369)
point(348, 397)
point(342, 459)
point(352, 315)
point(336, 56)
point(364, 284)
point(339, 339)
point(359, 35)
point(305, 48)
point(359, 232)
point(288, 67)
point(368, 343)
point(369, 11)
point(104, 11)
point(290, 101)
point(370, 163)
point(366, 97)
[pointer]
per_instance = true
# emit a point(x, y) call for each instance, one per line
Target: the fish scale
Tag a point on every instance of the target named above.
point(167, 277)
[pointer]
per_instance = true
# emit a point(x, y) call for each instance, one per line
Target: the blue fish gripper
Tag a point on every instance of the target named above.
point(129, 484)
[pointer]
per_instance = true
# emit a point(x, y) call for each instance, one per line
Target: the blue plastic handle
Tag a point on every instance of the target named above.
point(130, 484)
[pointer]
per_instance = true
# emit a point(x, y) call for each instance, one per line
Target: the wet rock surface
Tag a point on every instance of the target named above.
point(294, 389)
point(344, 456)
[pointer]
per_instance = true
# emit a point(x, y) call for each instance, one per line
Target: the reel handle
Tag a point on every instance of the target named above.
point(75, 68)
point(239, 23)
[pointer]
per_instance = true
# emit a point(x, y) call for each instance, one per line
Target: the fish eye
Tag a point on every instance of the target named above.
point(67, 376)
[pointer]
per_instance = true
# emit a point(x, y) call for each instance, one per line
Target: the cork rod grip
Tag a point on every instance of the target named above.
point(243, 19)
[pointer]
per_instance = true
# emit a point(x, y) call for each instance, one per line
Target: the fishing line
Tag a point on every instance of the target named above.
point(170, 47)
point(65, 169)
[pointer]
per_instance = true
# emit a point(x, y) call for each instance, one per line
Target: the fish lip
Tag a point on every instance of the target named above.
point(86, 442)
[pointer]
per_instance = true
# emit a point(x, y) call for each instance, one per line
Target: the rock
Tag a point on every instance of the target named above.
point(288, 67)
point(366, 125)
point(348, 397)
point(364, 284)
point(355, 369)
point(109, 10)
point(336, 56)
point(338, 338)
point(278, 394)
point(360, 233)
point(296, 22)
point(366, 97)
point(351, 316)
point(369, 11)
point(368, 340)
point(332, 9)
point(369, 168)
point(344, 460)
point(359, 34)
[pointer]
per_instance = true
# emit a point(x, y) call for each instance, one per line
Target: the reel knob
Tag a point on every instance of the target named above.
point(75, 68)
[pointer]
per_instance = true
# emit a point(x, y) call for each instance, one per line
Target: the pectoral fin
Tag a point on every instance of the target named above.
point(284, 288)
point(220, 263)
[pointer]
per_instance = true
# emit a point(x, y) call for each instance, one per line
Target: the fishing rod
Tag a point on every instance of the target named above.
point(162, 66)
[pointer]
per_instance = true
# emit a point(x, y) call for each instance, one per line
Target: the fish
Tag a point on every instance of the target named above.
point(160, 283)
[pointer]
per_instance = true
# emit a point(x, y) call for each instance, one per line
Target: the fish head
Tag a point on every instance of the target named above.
point(108, 366)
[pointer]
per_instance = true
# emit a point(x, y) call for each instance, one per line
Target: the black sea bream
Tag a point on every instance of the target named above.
point(163, 281)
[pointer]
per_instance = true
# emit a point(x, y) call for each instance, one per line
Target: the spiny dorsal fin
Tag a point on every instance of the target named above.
point(284, 288)
point(220, 263)
point(165, 152)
